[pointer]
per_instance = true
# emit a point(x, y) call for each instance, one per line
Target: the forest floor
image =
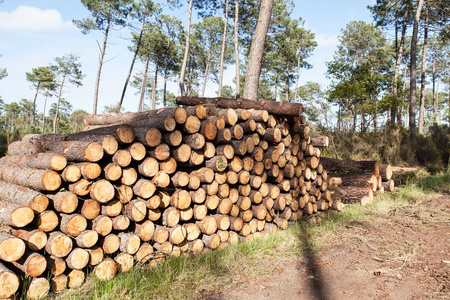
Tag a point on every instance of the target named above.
point(402, 253)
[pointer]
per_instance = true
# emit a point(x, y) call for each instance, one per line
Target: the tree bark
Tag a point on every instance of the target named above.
point(236, 50)
point(272, 107)
point(100, 65)
point(222, 52)
point(186, 51)
point(412, 84)
point(256, 51)
point(422, 75)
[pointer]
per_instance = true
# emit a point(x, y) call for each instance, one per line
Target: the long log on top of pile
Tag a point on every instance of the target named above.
point(273, 107)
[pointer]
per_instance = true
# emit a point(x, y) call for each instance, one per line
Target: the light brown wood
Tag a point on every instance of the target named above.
point(161, 234)
point(72, 224)
point(208, 225)
point(170, 217)
point(137, 151)
point(129, 242)
point(106, 270)
point(102, 191)
point(211, 241)
point(47, 160)
point(96, 255)
point(180, 199)
point(144, 188)
point(102, 225)
point(149, 167)
point(205, 175)
point(58, 283)
point(173, 138)
point(208, 129)
point(31, 263)
point(47, 220)
point(58, 244)
point(36, 288)
point(112, 209)
point(124, 262)
point(43, 180)
point(77, 259)
point(129, 176)
point(144, 253)
point(75, 278)
point(109, 243)
point(136, 210)
point(217, 163)
point(87, 239)
point(90, 209)
point(161, 179)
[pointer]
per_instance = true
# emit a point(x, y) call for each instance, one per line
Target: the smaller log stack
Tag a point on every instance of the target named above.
point(358, 181)
point(135, 187)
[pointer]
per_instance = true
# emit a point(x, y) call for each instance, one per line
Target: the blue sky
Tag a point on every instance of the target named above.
point(33, 33)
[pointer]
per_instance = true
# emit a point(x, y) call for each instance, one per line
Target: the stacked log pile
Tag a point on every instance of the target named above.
point(137, 186)
point(358, 181)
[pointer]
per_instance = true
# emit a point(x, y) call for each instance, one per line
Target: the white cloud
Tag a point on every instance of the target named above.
point(26, 18)
point(327, 40)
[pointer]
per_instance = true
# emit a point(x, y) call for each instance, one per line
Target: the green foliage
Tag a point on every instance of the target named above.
point(104, 14)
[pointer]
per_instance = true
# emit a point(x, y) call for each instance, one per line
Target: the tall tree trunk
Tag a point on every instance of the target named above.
point(256, 51)
point(43, 114)
point(165, 87)
point(403, 101)
point(208, 59)
point(276, 87)
point(100, 65)
point(186, 51)
point(222, 52)
point(339, 119)
point(422, 75)
point(144, 84)
point(236, 49)
point(433, 76)
point(131, 67)
point(298, 72)
point(412, 85)
point(189, 81)
point(34, 103)
point(436, 103)
point(287, 83)
point(55, 118)
point(155, 83)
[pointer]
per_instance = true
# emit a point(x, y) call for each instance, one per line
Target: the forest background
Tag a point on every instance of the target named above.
point(377, 84)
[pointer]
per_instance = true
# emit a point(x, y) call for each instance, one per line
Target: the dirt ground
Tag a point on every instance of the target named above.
point(405, 255)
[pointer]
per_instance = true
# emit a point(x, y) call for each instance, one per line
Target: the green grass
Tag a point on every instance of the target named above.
point(190, 277)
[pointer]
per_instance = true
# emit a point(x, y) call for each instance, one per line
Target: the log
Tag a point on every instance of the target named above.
point(388, 185)
point(217, 163)
point(124, 262)
point(196, 247)
point(102, 225)
point(208, 129)
point(75, 278)
point(36, 288)
point(129, 176)
point(32, 178)
point(200, 212)
point(109, 243)
point(87, 239)
point(47, 220)
point(164, 248)
point(178, 113)
point(144, 253)
point(55, 265)
point(177, 234)
point(278, 108)
point(180, 199)
point(171, 217)
point(96, 255)
point(208, 225)
point(58, 283)
point(35, 239)
point(102, 191)
point(31, 263)
point(320, 141)
point(161, 234)
point(14, 214)
point(211, 241)
point(145, 230)
point(47, 160)
point(129, 242)
point(106, 270)
point(122, 158)
point(160, 152)
point(385, 171)
point(77, 259)
point(149, 167)
point(90, 209)
point(173, 138)
point(73, 224)
point(192, 231)
point(144, 188)
point(58, 244)
point(338, 166)
point(205, 175)
point(136, 210)
point(9, 282)
point(81, 187)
